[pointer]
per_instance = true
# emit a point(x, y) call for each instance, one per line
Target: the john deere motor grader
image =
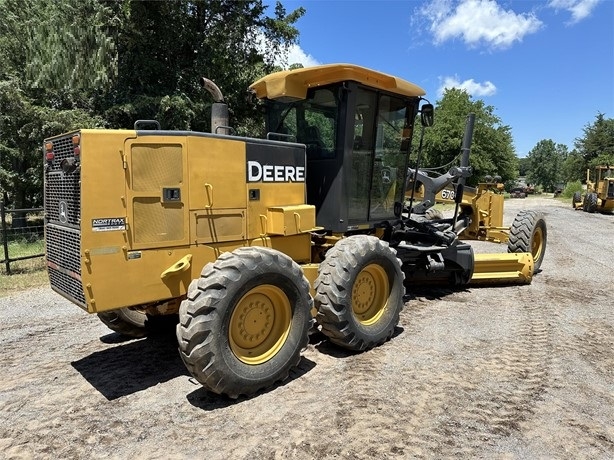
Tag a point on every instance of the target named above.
point(249, 240)
point(599, 196)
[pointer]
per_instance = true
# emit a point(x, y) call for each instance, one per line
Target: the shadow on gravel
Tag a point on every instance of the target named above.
point(131, 366)
point(208, 401)
point(323, 345)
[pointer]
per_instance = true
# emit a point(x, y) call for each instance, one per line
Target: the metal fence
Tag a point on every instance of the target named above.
point(22, 237)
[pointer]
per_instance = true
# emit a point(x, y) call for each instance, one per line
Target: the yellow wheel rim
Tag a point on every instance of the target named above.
point(260, 324)
point(537, 244)
point(370, 294)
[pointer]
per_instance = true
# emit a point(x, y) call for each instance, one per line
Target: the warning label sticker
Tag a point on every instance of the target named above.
point(109, 224)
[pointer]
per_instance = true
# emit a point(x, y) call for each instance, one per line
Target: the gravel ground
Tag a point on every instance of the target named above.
point(492, 372)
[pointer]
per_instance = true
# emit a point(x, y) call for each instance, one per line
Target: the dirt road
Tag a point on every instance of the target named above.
point(509, 372)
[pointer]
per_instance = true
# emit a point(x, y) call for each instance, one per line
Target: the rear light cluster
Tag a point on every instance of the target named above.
point(70, 164)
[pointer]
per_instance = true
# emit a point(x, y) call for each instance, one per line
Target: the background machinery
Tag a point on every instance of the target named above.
point(248, 240)
point(599, 196)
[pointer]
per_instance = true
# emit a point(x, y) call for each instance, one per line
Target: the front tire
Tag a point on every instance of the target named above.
point(577, 198)
point(245, 321)
point(359, 292)
point(591, 202)
point(529, 234)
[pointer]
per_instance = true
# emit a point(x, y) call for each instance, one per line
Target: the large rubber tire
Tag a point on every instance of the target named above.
point(359, 292)
point(529, 234)
point(245, 321)
point(591, 202)
point(577, 198)
point(125, 321)
point(135, 323)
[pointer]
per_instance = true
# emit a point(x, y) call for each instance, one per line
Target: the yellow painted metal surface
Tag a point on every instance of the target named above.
point(504, 268)
point(177, 203)
point(216, 168)
point(293, 84)
point(217, 225)
point(291, 220)
point(271, 195)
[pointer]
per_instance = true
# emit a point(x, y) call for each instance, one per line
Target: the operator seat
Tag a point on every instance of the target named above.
point(313, 141)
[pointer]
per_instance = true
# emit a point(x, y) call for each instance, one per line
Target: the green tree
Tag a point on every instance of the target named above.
point(164, 48)
point(546, 164)
point(574, 167)
point(492, 150)
point(32, 108)
point(23, 125)
point(93, 63)
point(523, 166)
point(597, 145)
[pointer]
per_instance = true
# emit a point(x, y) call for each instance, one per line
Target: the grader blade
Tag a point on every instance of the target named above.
point(503, 268)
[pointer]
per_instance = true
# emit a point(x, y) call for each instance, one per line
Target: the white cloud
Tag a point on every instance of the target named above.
point(579, 9)
point(297, 55)
point(478, 22)
point(294, 55)
point(472, 87)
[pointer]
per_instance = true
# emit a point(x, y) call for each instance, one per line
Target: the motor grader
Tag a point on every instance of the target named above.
point(254, 242)
point(599, 196)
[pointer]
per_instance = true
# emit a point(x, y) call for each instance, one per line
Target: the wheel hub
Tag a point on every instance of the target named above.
point(370, 294)
point(260, 324)
point(255, 320)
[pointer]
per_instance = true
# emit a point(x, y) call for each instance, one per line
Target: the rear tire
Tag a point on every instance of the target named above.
point(245, 321)
point(135, 323)
point(591, 202)
point(359, 292)
point(125, 321)
point(529, 234)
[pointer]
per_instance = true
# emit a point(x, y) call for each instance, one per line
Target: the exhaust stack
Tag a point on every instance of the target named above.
point(219, 109)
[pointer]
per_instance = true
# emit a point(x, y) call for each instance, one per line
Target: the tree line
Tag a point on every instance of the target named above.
point(552, 165)
point(102, 64)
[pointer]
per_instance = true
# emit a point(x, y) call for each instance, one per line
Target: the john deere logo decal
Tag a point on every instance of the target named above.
point(63, 212)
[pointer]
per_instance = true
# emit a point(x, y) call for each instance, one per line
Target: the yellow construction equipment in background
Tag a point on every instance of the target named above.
point(599, 196)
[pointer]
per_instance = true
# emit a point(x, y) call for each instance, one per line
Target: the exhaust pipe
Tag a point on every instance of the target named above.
point(219, 109)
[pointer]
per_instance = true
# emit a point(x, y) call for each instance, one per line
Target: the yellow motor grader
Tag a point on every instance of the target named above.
point(599, 196)
point(249, 240)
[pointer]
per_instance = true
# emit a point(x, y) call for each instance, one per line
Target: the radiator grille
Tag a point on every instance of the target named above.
point(64, 261)
point(60, 187)
point(62, 223)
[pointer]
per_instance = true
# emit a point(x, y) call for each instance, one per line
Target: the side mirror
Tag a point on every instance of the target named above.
point(427, 114)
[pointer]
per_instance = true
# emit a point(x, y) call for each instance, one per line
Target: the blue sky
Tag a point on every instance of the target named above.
point(547, 67)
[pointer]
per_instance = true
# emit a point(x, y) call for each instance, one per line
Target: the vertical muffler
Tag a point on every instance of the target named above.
point(219, 109)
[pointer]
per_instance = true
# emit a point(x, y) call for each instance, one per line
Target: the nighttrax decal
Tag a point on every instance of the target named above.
point(275, 163)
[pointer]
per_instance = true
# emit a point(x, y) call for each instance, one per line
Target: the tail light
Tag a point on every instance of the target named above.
point(49, 151)
point(76, 142)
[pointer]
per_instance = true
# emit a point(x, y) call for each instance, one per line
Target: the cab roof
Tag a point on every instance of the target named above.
point(292, 85)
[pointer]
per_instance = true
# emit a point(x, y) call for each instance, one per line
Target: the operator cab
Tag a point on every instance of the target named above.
point(356, 125)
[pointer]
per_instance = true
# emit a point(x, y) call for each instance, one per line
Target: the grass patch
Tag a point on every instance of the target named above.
point(25, 274)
